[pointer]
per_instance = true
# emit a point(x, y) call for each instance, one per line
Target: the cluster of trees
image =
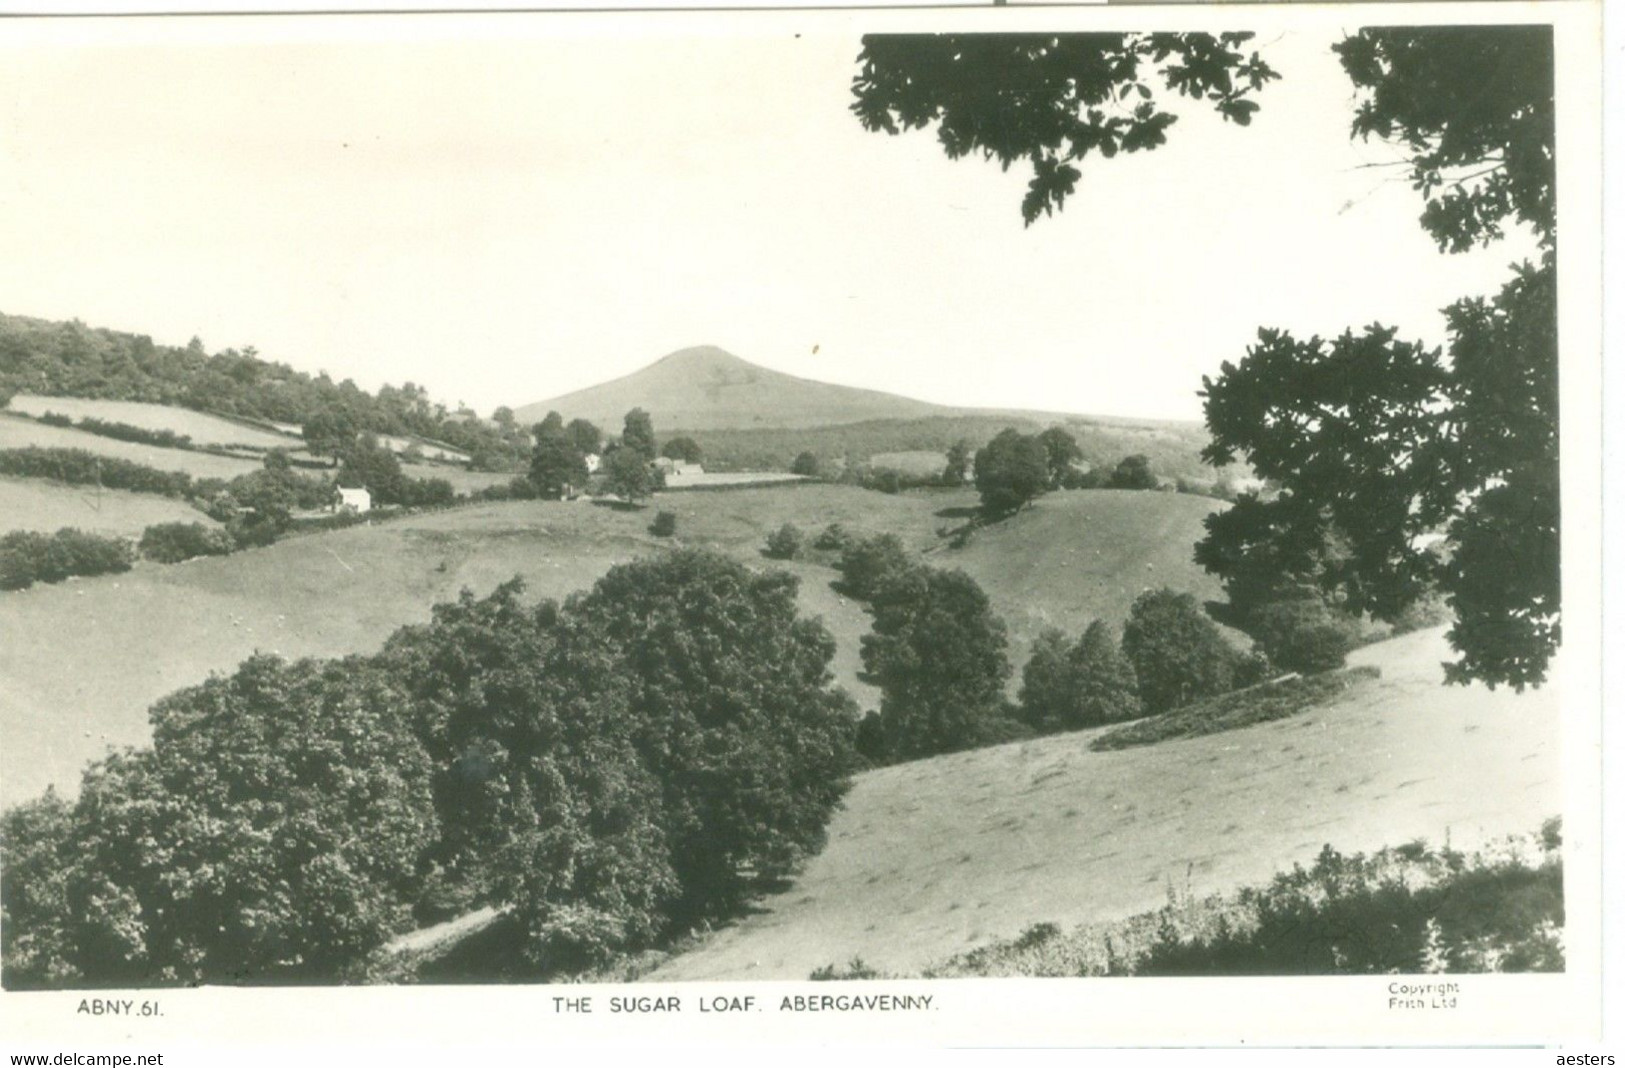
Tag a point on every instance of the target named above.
point(607, 770)
point(1370, 439)
point(27, 556)
point(71, 359)
point(558, 463)
point(1015, 468)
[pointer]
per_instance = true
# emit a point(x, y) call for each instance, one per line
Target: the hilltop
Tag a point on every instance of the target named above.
point(705, 388)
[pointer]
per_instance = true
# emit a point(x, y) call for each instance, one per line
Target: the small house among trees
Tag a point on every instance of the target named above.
point(352, 501)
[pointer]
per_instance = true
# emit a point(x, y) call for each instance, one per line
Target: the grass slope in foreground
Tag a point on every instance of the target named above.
point(938, 857)
point(1412, 908)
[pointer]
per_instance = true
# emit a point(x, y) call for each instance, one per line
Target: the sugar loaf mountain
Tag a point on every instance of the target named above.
point(909, 689)
point(706, 388)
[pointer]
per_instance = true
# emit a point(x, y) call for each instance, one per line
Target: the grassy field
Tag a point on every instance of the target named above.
point(933, 858)
point(80, 663)
point(912, 462)
point(36, 504)
point(17, 433)
point(203, 429)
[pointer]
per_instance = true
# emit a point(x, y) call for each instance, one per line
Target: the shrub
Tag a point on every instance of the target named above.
point(166, 439)
point(170, 543)
point(80, 467)
point(1177, 652)
point(868, 564)
point(664, 525)
point(806, 464)
point(833, 538)
point(784, 543)
point(56, 419)
point(1133, 473)
point(27, 556)
point(1239, 708)
point(1303, 635)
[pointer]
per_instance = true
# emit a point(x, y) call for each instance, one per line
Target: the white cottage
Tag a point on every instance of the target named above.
point(353, 500)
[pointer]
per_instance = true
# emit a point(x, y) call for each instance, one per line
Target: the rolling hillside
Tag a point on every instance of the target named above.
point(705, 388)
point(936, 857)
point(36, 504)
point(202, 428)
point(81, 662)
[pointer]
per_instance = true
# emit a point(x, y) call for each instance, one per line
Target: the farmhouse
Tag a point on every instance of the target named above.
point(594, 461)
point(680, 468)
point(353, 500)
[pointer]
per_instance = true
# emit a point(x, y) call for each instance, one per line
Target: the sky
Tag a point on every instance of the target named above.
point(510, 208)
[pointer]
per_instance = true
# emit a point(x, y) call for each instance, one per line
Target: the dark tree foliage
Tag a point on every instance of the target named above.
point(1070, 686)
point(806, 464)
point(1011, 470)
point(271, 833)
point(1303, 634)
point(1473, 110)
point(664, 525)
point(1061, 451)
point(937, 652)
point(1048, 100)
point(1133, 473)
point(1107, 689)
point(330, 431)
point(738, 717)
point(368, 463)
point(170, 543)
point(28, 556)
point(585, 436)
point(867, 564)
point(1375, 440)
point(1473, 106)
point(638, 434)
point(36, 926)
point(544, 803)
point(628, 474)
point(1177, 652)
point(556, 464)
point(1047, 685)
point(785, 543)
point(683, 448)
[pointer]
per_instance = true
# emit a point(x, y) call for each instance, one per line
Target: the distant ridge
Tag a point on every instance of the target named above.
point(705, 388)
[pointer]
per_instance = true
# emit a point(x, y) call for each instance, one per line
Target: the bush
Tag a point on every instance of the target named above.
point(36, 859)
point(170, 543)
point(1239, 708)
point(56, 419)
point(806, 464)
point(165, 439)
point(1178, 653)
point(27, 557)
point(833, 538)
point(82, 468)
point(664, 525)
point(1133, 473)
point(868, 564)
point(1303, 635)
point(784, 543)
point(1407, 910)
